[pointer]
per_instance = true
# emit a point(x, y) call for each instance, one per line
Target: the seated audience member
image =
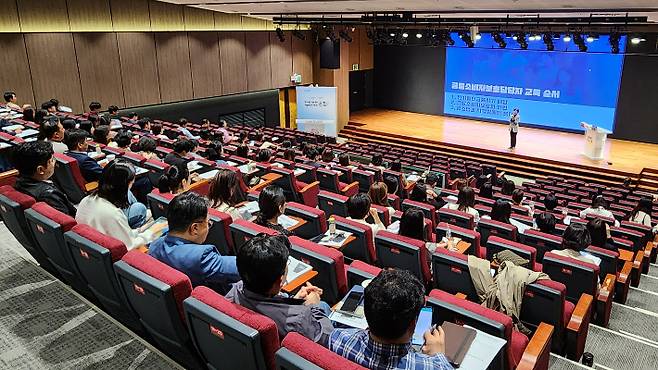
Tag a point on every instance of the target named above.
point(205, 135)
point(87, 126)
point(174, 180)
point(215, 152)
point(289, 154)
point(420, 194)
point(328, 156)
point(392, 303)
point(377, 161)
point(358, 209)
point(502, 211)
point(262, 263)
point(182, 128)
point(133, 117)
point(76, 141)
point(144, 124)
point(205, 124)
point(183, 249)
point(392, 183)
point(223, 131)
point(102, 135)
point(627, 184)
point(156, 130)
point(182, 147)
point(545, 222)
point(344, 160)
point(517, 198)
point(224, 193)
point(575, 240)
point(264, 156)
point(481, 180)
point(40, 115)
point(113, 112)
point(507, 187)
point(68, 124)
point(598, 231)
point(378, 194)
point(313, 156)
point(271, 204)
point(465, 203)
point(11, 100)
point(242, 138)
point(598, 208)
point(112, 210)
point(35, 164)
point(194, 146)
point(53, 131)
point(433, 189)
point(146, 147)
point(486, 190)
point(412, 225)
point(122, 140)
point(396, 166)
point(242, 151)
point(49, 107)
point(286, 144)
point(28, 114)
point(550, 202)
point(641, 214)
point(95, 108)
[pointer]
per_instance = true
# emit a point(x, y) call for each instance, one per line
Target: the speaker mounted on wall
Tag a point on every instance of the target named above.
point(329, 54)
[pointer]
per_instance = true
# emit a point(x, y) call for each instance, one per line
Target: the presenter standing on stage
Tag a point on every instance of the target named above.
point(514, 127)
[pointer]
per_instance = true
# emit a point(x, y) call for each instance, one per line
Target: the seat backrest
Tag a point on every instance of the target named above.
point(229, 336)
point(309, 175)
point(579, 277)
point(242, 231)
point(345, 174)
point(428, 210)
point(497, 244)
point(398, 251)
point(635, 237)
point(328, 262)
point(641, 228)
point(332, 203)
point(488, 227)
point(12, 207)
point(159, 203)
point(394, 201)
point(447, 307)
point(364, 178)
point(219, 234)
point(451, 273)
point(359, 271)
point(68, 177)
point(301, 353)
point(363, 247)
point(287, 183)
point(135, 158)
point(609, 260)
point(316, 221)
point(155, 292)
point(467, 235)
point(457, 218)
point(542, 242)
point(328, 179)
point(544, 301)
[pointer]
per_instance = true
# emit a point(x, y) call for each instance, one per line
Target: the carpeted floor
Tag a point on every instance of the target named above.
point(43, 325)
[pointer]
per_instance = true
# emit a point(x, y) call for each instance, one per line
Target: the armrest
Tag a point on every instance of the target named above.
point(604, 300)
point(309, 186)
point(410, 185)
point(578, 326)
point(350, 189)
point(625, 272)
point(8, 174)
point(536, 354)
point(623, 282)
point(637, 268)
point(91, 186)
point(460, 295)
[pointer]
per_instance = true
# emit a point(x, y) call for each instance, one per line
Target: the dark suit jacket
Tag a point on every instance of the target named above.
point(45, 191)
point(89, 168)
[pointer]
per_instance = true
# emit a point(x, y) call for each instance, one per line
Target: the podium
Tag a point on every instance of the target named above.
point(595, 138)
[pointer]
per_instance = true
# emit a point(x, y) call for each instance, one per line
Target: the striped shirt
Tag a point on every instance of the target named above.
point(357, 346)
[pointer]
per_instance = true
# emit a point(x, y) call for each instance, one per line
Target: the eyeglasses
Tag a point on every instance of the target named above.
point(208, 221)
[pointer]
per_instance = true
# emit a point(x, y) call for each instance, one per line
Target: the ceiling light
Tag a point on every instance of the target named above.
point(478, 36)
point(280, 35)
point(637, 39)
point(405, 35)
point(419, 35)
point(590, 39)
point(566, 38)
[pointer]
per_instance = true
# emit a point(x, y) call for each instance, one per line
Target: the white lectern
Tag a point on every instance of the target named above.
point(595, 138)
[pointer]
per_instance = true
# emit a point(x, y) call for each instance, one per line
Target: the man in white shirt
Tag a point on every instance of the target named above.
point(514, 127)
point(10, 100)
point(183, 122)
point(53, 131)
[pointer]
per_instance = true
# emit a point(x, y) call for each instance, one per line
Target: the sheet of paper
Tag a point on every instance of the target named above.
point(296, 268)
point(336, 240)
point(483, 350)
point(208, 175)
point(286, 221)
point(28, 132)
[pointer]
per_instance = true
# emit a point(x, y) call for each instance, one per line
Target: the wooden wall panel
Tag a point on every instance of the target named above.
point(233, 56)
point(9, 16)
point(32, 16)
point(139, 69)
point(366, 52)
point(342, 83)
point(15, 74)
point(259, 65)
point(130, 15)
point(281, 57)
point(302, 58)
point(227, 21)
point(89, 15)
point(166, 16)
point(54, 68)
point(206, 67)
point(355, 46)
point(100, 71)
point(198, 19)
point(174, 71)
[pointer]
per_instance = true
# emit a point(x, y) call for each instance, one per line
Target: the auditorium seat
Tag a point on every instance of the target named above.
point(328, 262)
point(159, 203)
point(227, 335)
point(488, 227)
point(359, 271)
point(156, 293)
point(345, 174)
point(401, 252)
point(12, 208)
point(451, 273)
point(382, 212)
point(300, 353)
point(310, 173)
point(242, 231)
point(364, 178)
point(457, 218)
point(94, 255)
point(156, 169)
point(529, 353)
point(297, 191)
point(332, 204)
point(219, 233)
point(362, 248)
point(69, 179)
point(542, 242)
point(329, 181)
point(428, 210)
point(316, 221)
point(497, 244)
point(467, 235)
point(610, 264)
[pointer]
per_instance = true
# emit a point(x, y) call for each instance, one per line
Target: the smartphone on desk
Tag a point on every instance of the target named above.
point(423, 324)
point(351, 302)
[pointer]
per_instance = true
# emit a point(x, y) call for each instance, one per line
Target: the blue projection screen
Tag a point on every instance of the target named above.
point(555, 89)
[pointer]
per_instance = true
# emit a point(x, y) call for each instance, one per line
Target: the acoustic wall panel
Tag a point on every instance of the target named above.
point(259, 67)
point(233, 57)
point(15, 74)
point(31, 15)
point(100, 70)
point(89, 15)
point(166, 16)
point(139, 68)
point(9, 17)
point(174, 71)
point(281, 57)
point(130, 15)
point(204, 58)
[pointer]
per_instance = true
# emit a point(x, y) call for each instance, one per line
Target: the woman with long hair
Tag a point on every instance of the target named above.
point(379, 196)
point(223, 193)
point(174, 180)
point(642, 212)
point(272, 204)
point(465, 203)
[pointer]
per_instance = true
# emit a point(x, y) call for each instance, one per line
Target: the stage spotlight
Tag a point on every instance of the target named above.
point(548, 40)
point(467, 39)
point(478, 36)
point(345, 36)
point(419, 35)
point(280, 35)
point(614, 42)
point(578, 40)
point(521, 39)
point(556, 36)
point(637, 39)
point(566, 38)
point(299, 34)
point(331, 35)
point(515, 37)
point(392, 34)
point(590, 38)
point(405, 35)
point(499, 40)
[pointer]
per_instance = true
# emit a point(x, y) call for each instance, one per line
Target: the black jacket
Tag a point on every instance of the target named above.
point(45, 191)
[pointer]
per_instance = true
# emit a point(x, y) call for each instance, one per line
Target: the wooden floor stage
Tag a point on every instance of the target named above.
point(621, 155)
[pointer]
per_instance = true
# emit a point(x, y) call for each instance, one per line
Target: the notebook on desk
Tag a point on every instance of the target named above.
point(296, 268)
point(458, 342)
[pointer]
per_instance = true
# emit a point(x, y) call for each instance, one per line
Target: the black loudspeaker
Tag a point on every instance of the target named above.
point(329, 54)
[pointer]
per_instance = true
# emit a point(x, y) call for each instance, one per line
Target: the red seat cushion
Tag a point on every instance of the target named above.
point(300, 185)
point(568, 311)
point(265, 326)
point(360, 265)
point(116, 247)
point(24, 201)
point(517, 345)
point(65, 221)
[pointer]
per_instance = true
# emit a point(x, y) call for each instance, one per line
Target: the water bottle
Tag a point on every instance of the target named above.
point(449, 237)
point(332, 225)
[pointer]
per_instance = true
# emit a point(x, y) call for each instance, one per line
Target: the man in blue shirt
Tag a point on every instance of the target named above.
point(392, 302)
point(183, 247)
point(183, 129)
point(76, 141)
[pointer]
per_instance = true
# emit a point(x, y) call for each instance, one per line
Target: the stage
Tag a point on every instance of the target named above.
point(621, 155)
